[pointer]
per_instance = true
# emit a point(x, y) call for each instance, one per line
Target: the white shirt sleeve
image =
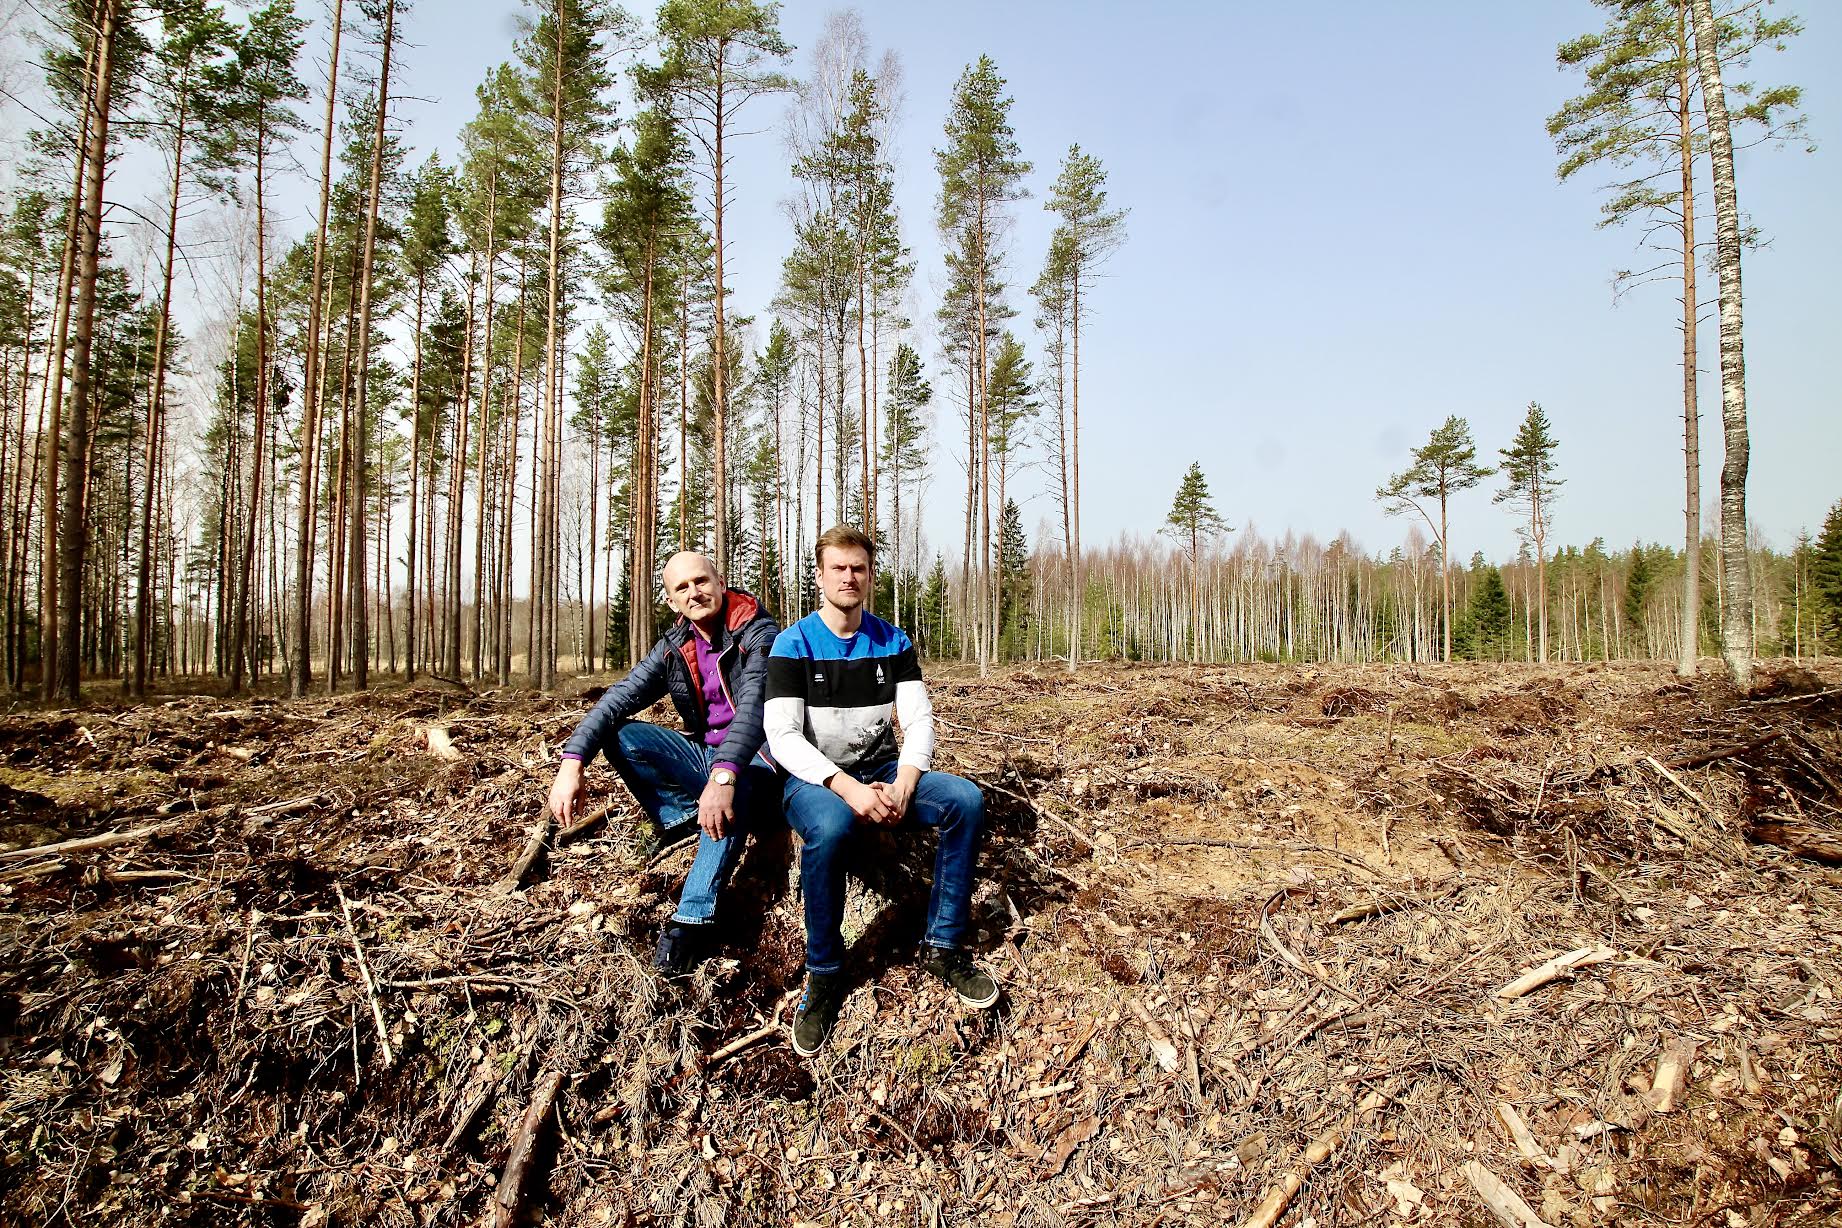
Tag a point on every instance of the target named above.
point(784, 718)
point(915, 711)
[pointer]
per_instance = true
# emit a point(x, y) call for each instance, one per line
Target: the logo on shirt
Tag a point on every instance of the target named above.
point(818, 675)
point(879, 675)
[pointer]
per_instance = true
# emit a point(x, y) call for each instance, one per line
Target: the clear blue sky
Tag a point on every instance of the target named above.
point(1345, 225)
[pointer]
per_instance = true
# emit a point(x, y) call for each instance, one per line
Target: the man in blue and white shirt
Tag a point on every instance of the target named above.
point(836, 678)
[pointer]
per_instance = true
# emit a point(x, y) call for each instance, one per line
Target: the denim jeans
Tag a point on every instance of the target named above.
point(667, 772)
point(949, 803)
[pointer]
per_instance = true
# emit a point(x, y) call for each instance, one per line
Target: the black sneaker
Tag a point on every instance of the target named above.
point(968, 980)
point(817, 1011)
point(681, 947)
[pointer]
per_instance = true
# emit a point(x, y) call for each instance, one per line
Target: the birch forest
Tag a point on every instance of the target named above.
point(453, 428)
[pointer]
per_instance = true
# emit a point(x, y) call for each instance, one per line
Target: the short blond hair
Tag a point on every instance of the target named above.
point(843, 537)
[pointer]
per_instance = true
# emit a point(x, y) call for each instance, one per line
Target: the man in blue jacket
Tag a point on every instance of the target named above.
point(713, 664)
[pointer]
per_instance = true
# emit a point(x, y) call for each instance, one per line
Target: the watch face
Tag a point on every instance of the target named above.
point(724, 777)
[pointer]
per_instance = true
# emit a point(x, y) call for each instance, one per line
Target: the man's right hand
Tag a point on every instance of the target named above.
point(865, 802)
point(567, 795)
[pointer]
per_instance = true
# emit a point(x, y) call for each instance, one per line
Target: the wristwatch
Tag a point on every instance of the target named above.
point(722, 776)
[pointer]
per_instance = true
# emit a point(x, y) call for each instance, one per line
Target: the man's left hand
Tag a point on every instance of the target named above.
point(716, 810)
point(901, 790)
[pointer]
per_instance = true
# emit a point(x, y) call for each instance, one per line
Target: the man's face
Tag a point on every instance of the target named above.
point(692, 588)
point(844, 576)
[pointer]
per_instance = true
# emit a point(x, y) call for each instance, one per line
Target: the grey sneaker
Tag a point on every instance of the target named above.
point(968, 980)
point(817, 1011)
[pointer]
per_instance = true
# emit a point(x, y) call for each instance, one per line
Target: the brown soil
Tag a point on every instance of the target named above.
point(1238, 911)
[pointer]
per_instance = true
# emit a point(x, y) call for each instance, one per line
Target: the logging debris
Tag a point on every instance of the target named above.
point(1258, 925)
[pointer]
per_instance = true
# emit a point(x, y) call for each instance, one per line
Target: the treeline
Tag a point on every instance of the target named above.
point(1296, 599)
point(456, 427)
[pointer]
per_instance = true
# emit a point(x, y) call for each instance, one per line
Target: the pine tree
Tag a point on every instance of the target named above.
point(1638, 115)
point(1013, 577)
point(1089, 234)
point(1193, 521)
point(981, 169)
point(719, 56)
point(1530, 484)
point(1638, 579)
point(1443, 466)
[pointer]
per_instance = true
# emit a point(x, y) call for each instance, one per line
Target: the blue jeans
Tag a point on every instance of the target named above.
point(949, 803)
point(667, 772)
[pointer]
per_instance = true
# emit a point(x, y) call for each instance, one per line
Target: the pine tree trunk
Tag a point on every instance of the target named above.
point(240, 623)
point(50, 437)
point(415, 480)
point(73, 538)
point(1074, 515)
point(306, 519)
point(719, 375)
point(479, 524)
point(143, 579)
point(1737, 611)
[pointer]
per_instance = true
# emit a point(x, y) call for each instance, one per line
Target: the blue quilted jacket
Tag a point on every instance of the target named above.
point(741, 643)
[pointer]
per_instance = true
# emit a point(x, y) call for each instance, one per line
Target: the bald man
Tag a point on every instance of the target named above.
point(713, 664)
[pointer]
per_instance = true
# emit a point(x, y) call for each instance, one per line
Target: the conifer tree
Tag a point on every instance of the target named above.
point(1089, 234)
point(1192, 522)
point(1530, 484)
point(719, 56)
point(1445, 465)
point(981, 169)
point(1638, 117)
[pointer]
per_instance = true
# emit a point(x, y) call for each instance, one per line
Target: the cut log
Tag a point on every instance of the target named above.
point(441, 745)
point(1805, 840)
point(1281, 1195)
point(1672, 1074)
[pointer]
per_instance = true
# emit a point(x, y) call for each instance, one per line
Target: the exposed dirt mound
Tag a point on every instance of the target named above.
point(1358, 944)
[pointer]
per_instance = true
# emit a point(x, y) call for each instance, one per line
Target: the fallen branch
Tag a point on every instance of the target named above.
point(1725, 752)
point(364, 973)
point(533, 849)
point(1520, 1134)
point(591, 819)
point(1280, 1196)
point(1794, 699)
point(502, 1212)
point(1541, 974)
point(1686, 790)
point(1504, 1203)
point(86, 844)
